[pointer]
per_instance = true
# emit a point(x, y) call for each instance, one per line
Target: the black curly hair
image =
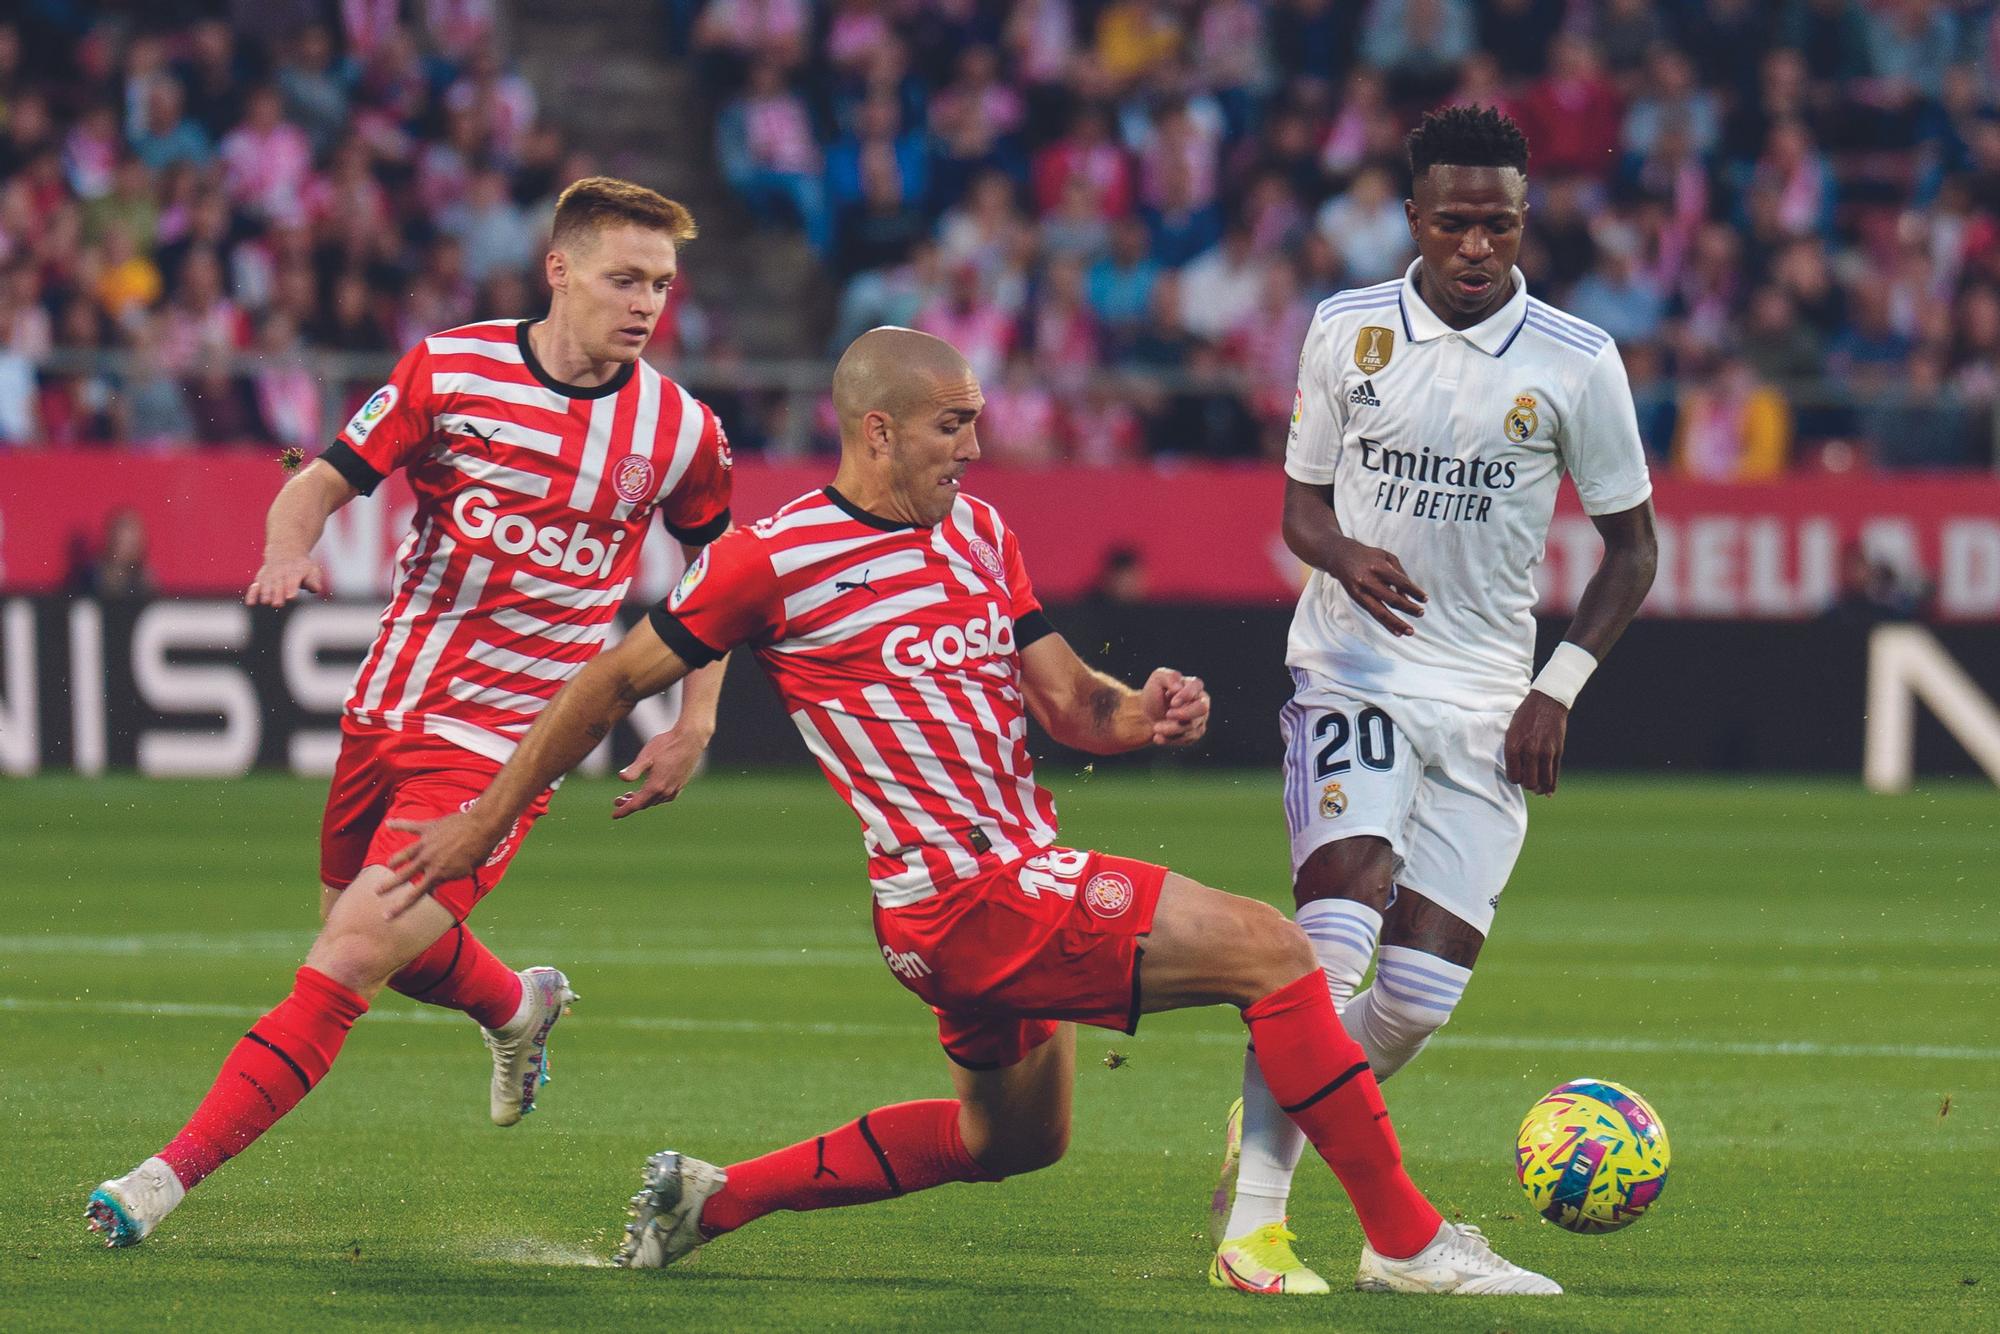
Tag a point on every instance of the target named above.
point(1467, 136)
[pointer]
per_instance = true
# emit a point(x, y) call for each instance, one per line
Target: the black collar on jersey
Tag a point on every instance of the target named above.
point(859, 515)
point(610, 386)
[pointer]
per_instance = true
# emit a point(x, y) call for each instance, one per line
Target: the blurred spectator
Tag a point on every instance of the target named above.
point(878, 230)
point(1571, 114)
point(1418, 41)
point(1869, 592)
point(496, 232)
point(967, 319)
point(1779, 346)
point(877, 138)
point(266, 160)
point(1087, 153)
point(314, 96)
point(166, 135)
point(17, 398)
point(119, 568)
point(1121, 577)
point(1134, 37)
point(1020, 425)
point(1181, 226)
point(153, 410)
point(1918, 421)
point(1731, 427)
point(1120, 284)
point(1618, 298)
point(1367, 226)
point(129, 281)
point(765, 142)
point(1220, 289)
point(1870, 351)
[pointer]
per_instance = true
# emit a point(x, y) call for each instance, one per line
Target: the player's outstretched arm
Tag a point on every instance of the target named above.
point(1374, 578)
point(1540, 728)
point(1086, 710)
point(291, 529)
point(581, 715)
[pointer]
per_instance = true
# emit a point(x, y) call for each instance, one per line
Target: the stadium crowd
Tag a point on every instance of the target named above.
point(1124, 211)
point(1787, 211)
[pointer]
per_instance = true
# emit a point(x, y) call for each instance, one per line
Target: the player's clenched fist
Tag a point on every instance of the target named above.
point(1176, 705)
point(446, 849)
point(1535, 743)
point(279, 581)
point(1376, 580)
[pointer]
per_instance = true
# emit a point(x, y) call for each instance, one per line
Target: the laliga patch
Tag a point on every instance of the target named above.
point(1108, 894)
point(1332, 801)
point(722, 454)
point(374, 410)
point(633, 478)
point(1522, 419)
point(986, 558)
point(690, 581)
point(1373, 347)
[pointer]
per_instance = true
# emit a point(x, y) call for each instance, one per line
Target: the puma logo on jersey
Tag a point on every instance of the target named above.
point(1363, 394)
point(909, 653)
point(854, 585)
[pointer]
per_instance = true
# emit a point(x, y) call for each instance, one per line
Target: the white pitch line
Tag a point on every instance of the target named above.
point(665, 1024)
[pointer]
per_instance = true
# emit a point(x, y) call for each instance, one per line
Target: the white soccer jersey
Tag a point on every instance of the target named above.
point(1446, 448)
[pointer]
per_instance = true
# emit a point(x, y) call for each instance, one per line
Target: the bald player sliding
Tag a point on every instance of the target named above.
point(895, 616)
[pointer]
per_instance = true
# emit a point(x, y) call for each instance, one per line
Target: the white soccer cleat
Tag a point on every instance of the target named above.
point(125, 1210)
point(666, 1213)
point(521, 1049)
point(1459, 1261)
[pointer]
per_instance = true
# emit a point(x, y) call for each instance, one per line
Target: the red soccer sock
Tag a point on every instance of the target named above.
point(460, 973)
point(1320, 1077)
point(275, 1065)
point(891, 1151)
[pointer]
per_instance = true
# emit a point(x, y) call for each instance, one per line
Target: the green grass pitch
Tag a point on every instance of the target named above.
point(1797, 976)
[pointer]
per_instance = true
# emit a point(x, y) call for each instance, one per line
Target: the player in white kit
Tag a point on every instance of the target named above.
point(1435, 418)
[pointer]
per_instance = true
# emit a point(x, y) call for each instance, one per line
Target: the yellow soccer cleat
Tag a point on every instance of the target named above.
point(1263, 1263)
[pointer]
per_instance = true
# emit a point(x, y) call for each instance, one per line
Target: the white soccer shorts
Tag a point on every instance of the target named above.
point(1429, 777)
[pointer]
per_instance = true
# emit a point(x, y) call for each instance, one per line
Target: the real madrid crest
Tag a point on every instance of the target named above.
point(1522, 419)
point(1332, 801)
point(1373, 347)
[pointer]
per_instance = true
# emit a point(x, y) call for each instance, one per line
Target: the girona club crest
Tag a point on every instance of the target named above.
point(1108, 894)
point(984, 556)
point(633, 478)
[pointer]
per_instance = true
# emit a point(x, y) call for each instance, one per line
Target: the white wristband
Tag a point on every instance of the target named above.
point(1563, 675)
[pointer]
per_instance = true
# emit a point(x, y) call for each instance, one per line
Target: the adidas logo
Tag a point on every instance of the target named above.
point(1363, 394)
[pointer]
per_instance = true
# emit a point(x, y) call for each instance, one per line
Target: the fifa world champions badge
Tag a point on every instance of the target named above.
point(1373, 347)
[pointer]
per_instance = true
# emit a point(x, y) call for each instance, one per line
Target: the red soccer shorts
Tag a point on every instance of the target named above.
point(1001, 959)
point(385, 775)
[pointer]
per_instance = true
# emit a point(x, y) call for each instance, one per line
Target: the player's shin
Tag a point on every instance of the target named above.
point(283, 1056)
point(1343, 934)
point(891, 1151)
point(458, 972)
point(1412, 996)
point(1321, 1079)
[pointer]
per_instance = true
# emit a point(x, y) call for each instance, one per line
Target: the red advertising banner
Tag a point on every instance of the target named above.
point(1204, 533)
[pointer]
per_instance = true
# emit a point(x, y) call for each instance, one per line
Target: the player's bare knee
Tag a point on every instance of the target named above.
point(1362, 869)
point(1274, 951)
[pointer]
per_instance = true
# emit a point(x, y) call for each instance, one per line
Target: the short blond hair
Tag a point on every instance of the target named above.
point(593, 203)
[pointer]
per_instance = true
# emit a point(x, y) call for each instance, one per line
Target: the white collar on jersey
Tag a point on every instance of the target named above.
point(1491, 335)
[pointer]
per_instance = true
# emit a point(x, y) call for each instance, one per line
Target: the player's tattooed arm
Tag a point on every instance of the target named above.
point(1540, 728)
point(576, 720)
point(1089, 711)
point(291, 529)
point(1374, 578)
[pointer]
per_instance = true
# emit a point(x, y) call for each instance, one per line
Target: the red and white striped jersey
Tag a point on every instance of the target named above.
point(532, 503)
point(897, 652)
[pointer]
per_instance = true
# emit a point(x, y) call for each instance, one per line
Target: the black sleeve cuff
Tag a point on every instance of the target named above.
point(682, 640)
point(1035, 625)
point(360, 474)
point(702, 536)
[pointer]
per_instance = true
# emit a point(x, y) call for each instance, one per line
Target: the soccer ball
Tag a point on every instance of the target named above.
point(1592, 1156)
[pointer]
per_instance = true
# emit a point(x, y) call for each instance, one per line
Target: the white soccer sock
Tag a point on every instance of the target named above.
point(1412, 996)
point(1343, 936)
